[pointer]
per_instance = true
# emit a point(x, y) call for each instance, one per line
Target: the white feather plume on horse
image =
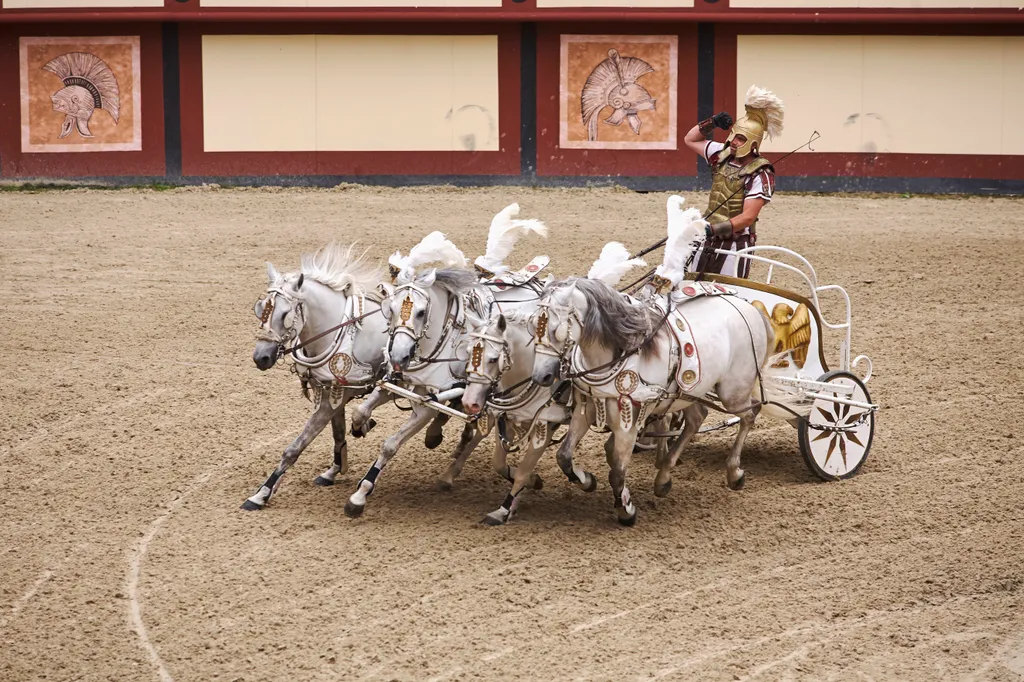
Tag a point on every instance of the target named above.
point(685, 231)
point(613, 263)
point(504, 233)
point(435, 247)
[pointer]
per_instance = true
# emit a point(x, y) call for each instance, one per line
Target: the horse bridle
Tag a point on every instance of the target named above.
point(476, 359)
point(292, 322)
point(541, 323)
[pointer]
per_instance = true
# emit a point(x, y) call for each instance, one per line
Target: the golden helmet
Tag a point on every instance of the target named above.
point(763, 116)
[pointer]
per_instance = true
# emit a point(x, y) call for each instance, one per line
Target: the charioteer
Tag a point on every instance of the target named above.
point(742, 181)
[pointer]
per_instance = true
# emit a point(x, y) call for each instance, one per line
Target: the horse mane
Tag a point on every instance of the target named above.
point(613, 322)
point(339, 268)
point(456, 280)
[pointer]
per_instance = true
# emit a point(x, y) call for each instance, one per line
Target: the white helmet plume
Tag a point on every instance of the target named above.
point(434, 247)
point(684, 228)
point(504, 233)
point(613, 263)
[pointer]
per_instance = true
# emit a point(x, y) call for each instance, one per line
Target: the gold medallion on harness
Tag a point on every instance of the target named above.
point(689, 376)
point(627, 382)
point(340, 365)
point(406, 312)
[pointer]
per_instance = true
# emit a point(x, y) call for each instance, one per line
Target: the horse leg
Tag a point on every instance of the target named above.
point(619, 456)
point(314, 425)
point(693, 417)
point(361, 421)
point(340, 465)
point(735, 476)
point(435, 432)
point(506, 471)
point(471, 437)
point(524, 475)
point(584, 480)
point(357, 502)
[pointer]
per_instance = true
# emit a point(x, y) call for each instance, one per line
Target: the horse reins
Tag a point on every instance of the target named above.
point(300, 346)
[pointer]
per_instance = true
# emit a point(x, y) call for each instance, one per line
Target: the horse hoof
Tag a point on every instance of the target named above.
point(629, 521)
point(740, 482)
point(443, 486)
point(593, 483)
point(662, 490)
point(322, 482)
point(491, 521)
point(354, 511)
point(433, 441)
point(538, 483)
point(249, 505)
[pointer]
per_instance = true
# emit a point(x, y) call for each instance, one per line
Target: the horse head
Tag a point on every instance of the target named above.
point(408, 313)
point(555, 326)
point(488, 357)
point(281, 313)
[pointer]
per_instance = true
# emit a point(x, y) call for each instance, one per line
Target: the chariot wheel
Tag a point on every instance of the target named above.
point(836, 438)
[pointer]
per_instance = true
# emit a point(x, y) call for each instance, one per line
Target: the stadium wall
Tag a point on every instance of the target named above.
point(907, 95)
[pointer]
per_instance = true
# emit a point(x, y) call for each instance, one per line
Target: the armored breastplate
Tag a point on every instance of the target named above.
point(727, 193)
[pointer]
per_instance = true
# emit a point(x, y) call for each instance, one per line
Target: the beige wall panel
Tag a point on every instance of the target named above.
point(1013, 96)
point(253, 3)
point(927, 91)
point(613, 3)
point(819, 80)
point(407, 93)
point(875, 4)
point(259, 93)
point(349, 3)
point(78, 4)
point(890, 94)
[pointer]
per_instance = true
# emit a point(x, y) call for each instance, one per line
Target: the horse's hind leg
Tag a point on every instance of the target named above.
point(357, 502)
point(735, 476)
point(340, 465)
point(314, 425)
point(693, 417)
point(471, 437)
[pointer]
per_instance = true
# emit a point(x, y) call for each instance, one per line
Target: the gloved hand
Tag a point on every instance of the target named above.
point(723, 120)
point(722, 230)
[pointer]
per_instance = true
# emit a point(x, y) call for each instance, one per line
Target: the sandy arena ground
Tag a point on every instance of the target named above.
point(135, 423)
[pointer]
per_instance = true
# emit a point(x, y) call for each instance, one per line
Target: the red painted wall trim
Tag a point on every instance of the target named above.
point(147, 162)
point(833, 164)
point(197, 162)
point(553, 160)
point(803, 16)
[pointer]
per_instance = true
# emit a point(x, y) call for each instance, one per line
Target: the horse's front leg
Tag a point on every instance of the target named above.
point(435, 432)
point(524, 475)
point(339, 430)
point(505, 470)
point(619, 455)
point(314, 425)
point(693, 417)
point(471, 437)
point(361, 421)
point(584, 480)
point(357, 502)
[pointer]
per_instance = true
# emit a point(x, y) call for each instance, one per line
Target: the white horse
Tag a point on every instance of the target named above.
point(334, 286)
point(501, 390)
point(428, 315)
point(632, 362)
